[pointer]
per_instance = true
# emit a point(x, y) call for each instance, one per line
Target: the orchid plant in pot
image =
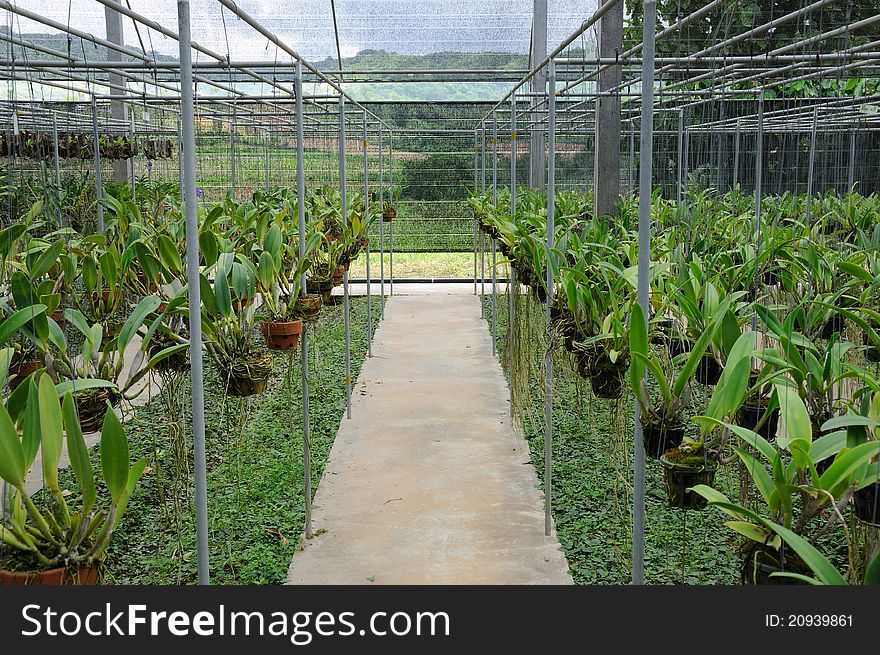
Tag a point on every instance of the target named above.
point(228, 331)
point(55, 542)
point(279, 279)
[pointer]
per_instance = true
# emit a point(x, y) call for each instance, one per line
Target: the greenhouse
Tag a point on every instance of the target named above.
point(440, 293)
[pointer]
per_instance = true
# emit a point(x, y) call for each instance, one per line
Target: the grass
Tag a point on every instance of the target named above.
point(255, 471)
point(422, 264)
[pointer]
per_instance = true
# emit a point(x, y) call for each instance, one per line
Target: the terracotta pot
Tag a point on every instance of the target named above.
point(19, 371)
point(244, 386)
point(105, 295)
point(338, 276)
point(309, 306)
point(281, 335)
point(86, 575)
point(240, 303)
point(678, 478)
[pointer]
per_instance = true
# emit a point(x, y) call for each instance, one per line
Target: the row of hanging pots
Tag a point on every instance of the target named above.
point(39, 145)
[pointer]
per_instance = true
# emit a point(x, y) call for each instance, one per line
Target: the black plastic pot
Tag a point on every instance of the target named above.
point(872, 352)
point(662, 332)
point(709, 371)
point(749, 415)
point(770, 278)
point(833, 325)
point(678, 478)
point(760, 562)
point(606, 379)
point(658, 440)
point(867, 504)
point(679, 346)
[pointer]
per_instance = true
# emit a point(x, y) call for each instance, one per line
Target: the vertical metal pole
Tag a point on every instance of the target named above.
point(266, 138)
point(851, 165)
point(232, 126)
point(381, 224)
point(810, 168)
point(535, 177)
point(180, 158)
point(367, 222)
point(131, 168)
point(304, 339)
point(99, 177)
point(551, 243)
point(759, 176)
point(680, 180)
point(391, 224)
point(495, 271)
point(57, 161)
point(632, 151)
point(195, 300)
point(736, 156)
point(476, 188)
point(343, 186)
point(759, 162)
point(644, 265)
point(719, 144)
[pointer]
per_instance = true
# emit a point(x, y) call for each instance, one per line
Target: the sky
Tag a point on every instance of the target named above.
point(403, 26)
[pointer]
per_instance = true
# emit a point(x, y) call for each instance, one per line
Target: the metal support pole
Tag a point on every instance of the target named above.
point(644, 267)
point(381, 225)
point(851, 165)
point(304, 339)
point(99, 177)
point(810, 169)
point(180, 159)
point(632, 151)
point(391, 224)
point(548, 354)
point(131, 169)
point(535, 177)
point(57, 163)
point(195, 301)
point(367, 222)
point(736, 155)
point(759, 161)
point(680, 180)
point(232, 127)
point(266, 137)
point(494, 241)
point(343, 186)
point(476, 187)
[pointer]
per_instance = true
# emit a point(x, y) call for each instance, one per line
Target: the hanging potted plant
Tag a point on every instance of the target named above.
point(279, 276)
point(695, 461)
point(863, 428)
point(663, 419)
point(244, 367)
point(799, 501)
point(55, 543)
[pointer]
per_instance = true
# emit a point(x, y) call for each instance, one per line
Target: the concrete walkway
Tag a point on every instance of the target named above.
point(428, 483)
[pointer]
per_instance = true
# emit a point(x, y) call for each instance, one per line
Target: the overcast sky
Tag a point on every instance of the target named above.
point(405, 26)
